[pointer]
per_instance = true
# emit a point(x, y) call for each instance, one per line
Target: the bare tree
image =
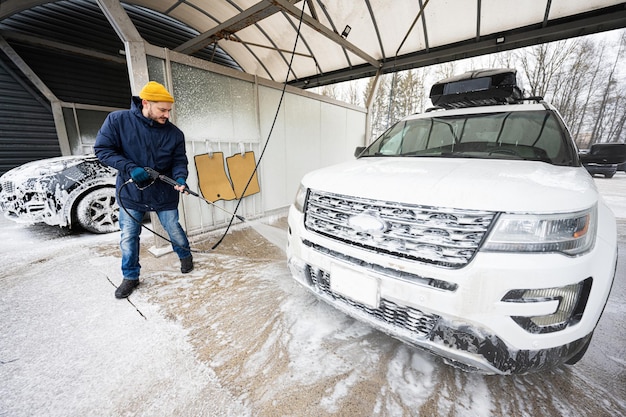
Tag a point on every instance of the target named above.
point(445, 70)
point(406, 95)
point(412, 92)
point(330, 90)
point(607, 123)
point(578, 76)
point(379, 109)
point(576, 114)
point(542, 63)
point(353, 96)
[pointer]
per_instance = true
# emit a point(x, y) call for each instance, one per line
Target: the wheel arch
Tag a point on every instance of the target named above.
point(69, 211)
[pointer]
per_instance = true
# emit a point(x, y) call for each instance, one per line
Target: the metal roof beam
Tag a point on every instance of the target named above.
point(376, 29)
point(420, 14)
point(136, 60)
point(49, 44)
point(259, 12)
point(571, 27)
point(10, 7)
point(333, 36)
point(224, 30)
point(119, 20)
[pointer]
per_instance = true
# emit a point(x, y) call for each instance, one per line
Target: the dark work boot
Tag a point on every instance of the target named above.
point(126, 288)
point(186, 264)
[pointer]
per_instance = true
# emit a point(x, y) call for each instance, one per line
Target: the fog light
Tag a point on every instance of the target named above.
point(572, 300)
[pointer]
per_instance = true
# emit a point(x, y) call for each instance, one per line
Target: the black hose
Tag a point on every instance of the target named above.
point(269, 135)
point(256, 167)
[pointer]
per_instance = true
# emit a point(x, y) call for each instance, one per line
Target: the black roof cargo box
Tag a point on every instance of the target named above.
point(477, 88)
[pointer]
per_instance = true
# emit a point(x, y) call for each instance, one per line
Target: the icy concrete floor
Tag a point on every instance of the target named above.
point(238, 337)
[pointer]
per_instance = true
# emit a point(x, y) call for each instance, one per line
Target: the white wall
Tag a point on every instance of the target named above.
point(223, 110)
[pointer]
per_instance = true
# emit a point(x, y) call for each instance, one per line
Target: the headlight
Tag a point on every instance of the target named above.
point(568, 233)
point(300, 198)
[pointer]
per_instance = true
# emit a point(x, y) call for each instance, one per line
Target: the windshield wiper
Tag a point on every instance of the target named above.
point(458, 155)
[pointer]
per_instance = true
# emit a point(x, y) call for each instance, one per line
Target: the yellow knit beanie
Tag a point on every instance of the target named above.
point(154, 91)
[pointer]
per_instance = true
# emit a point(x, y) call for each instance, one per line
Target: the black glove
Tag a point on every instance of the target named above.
point(139, 175)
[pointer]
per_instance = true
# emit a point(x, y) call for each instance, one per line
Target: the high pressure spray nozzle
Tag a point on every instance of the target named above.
point(156, 176)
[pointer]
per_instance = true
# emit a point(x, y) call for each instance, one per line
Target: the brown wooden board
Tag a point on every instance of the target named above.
point(212, 178)
point(240, 168)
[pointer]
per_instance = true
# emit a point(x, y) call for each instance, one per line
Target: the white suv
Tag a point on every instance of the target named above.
point(471, 230)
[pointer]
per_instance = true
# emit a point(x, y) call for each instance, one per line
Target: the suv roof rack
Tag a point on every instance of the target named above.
point(536, 99)
point(484, 87)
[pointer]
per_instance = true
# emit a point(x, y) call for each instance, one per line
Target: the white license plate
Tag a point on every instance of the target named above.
point(354, 285)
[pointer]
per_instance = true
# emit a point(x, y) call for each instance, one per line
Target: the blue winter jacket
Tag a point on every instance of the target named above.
point(127, 140)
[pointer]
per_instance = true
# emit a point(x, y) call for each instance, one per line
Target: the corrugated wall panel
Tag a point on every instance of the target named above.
point(27, 130)
point(77, 79)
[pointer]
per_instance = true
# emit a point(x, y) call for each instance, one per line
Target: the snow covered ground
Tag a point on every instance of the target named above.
point(237, 337)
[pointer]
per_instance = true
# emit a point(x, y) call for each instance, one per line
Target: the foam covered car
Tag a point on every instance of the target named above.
point(66, 191)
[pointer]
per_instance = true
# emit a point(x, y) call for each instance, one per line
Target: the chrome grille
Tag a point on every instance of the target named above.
point(418, 323)
point(446, 237)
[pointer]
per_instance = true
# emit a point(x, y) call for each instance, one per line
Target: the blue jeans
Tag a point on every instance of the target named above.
point(131, 229)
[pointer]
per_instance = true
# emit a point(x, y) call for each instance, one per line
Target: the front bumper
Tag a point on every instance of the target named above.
point(458, 314)
point(33, 207)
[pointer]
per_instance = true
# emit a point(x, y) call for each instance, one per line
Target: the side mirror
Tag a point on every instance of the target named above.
point(605, 153)
point(358, 151)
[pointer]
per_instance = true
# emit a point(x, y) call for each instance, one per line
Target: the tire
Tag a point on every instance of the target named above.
point(98, 212)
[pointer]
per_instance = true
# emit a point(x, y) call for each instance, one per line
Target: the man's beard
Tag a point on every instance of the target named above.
point(151, 116)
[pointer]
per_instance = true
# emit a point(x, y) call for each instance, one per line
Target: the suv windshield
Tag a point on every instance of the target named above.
point(525, 135)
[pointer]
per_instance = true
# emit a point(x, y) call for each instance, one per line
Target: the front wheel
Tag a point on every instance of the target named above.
point(97, 211)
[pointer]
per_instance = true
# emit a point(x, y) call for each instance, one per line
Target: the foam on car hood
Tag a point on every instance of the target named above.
point(44, 167)
point(480, 184)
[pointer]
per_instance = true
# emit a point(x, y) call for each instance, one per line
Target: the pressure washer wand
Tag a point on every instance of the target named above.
point(155, 175)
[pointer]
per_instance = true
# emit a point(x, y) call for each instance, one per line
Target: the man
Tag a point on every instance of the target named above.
point(131, 140)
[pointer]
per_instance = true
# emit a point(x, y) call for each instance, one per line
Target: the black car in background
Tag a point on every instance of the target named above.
point(597, 160)
point(608, 170)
